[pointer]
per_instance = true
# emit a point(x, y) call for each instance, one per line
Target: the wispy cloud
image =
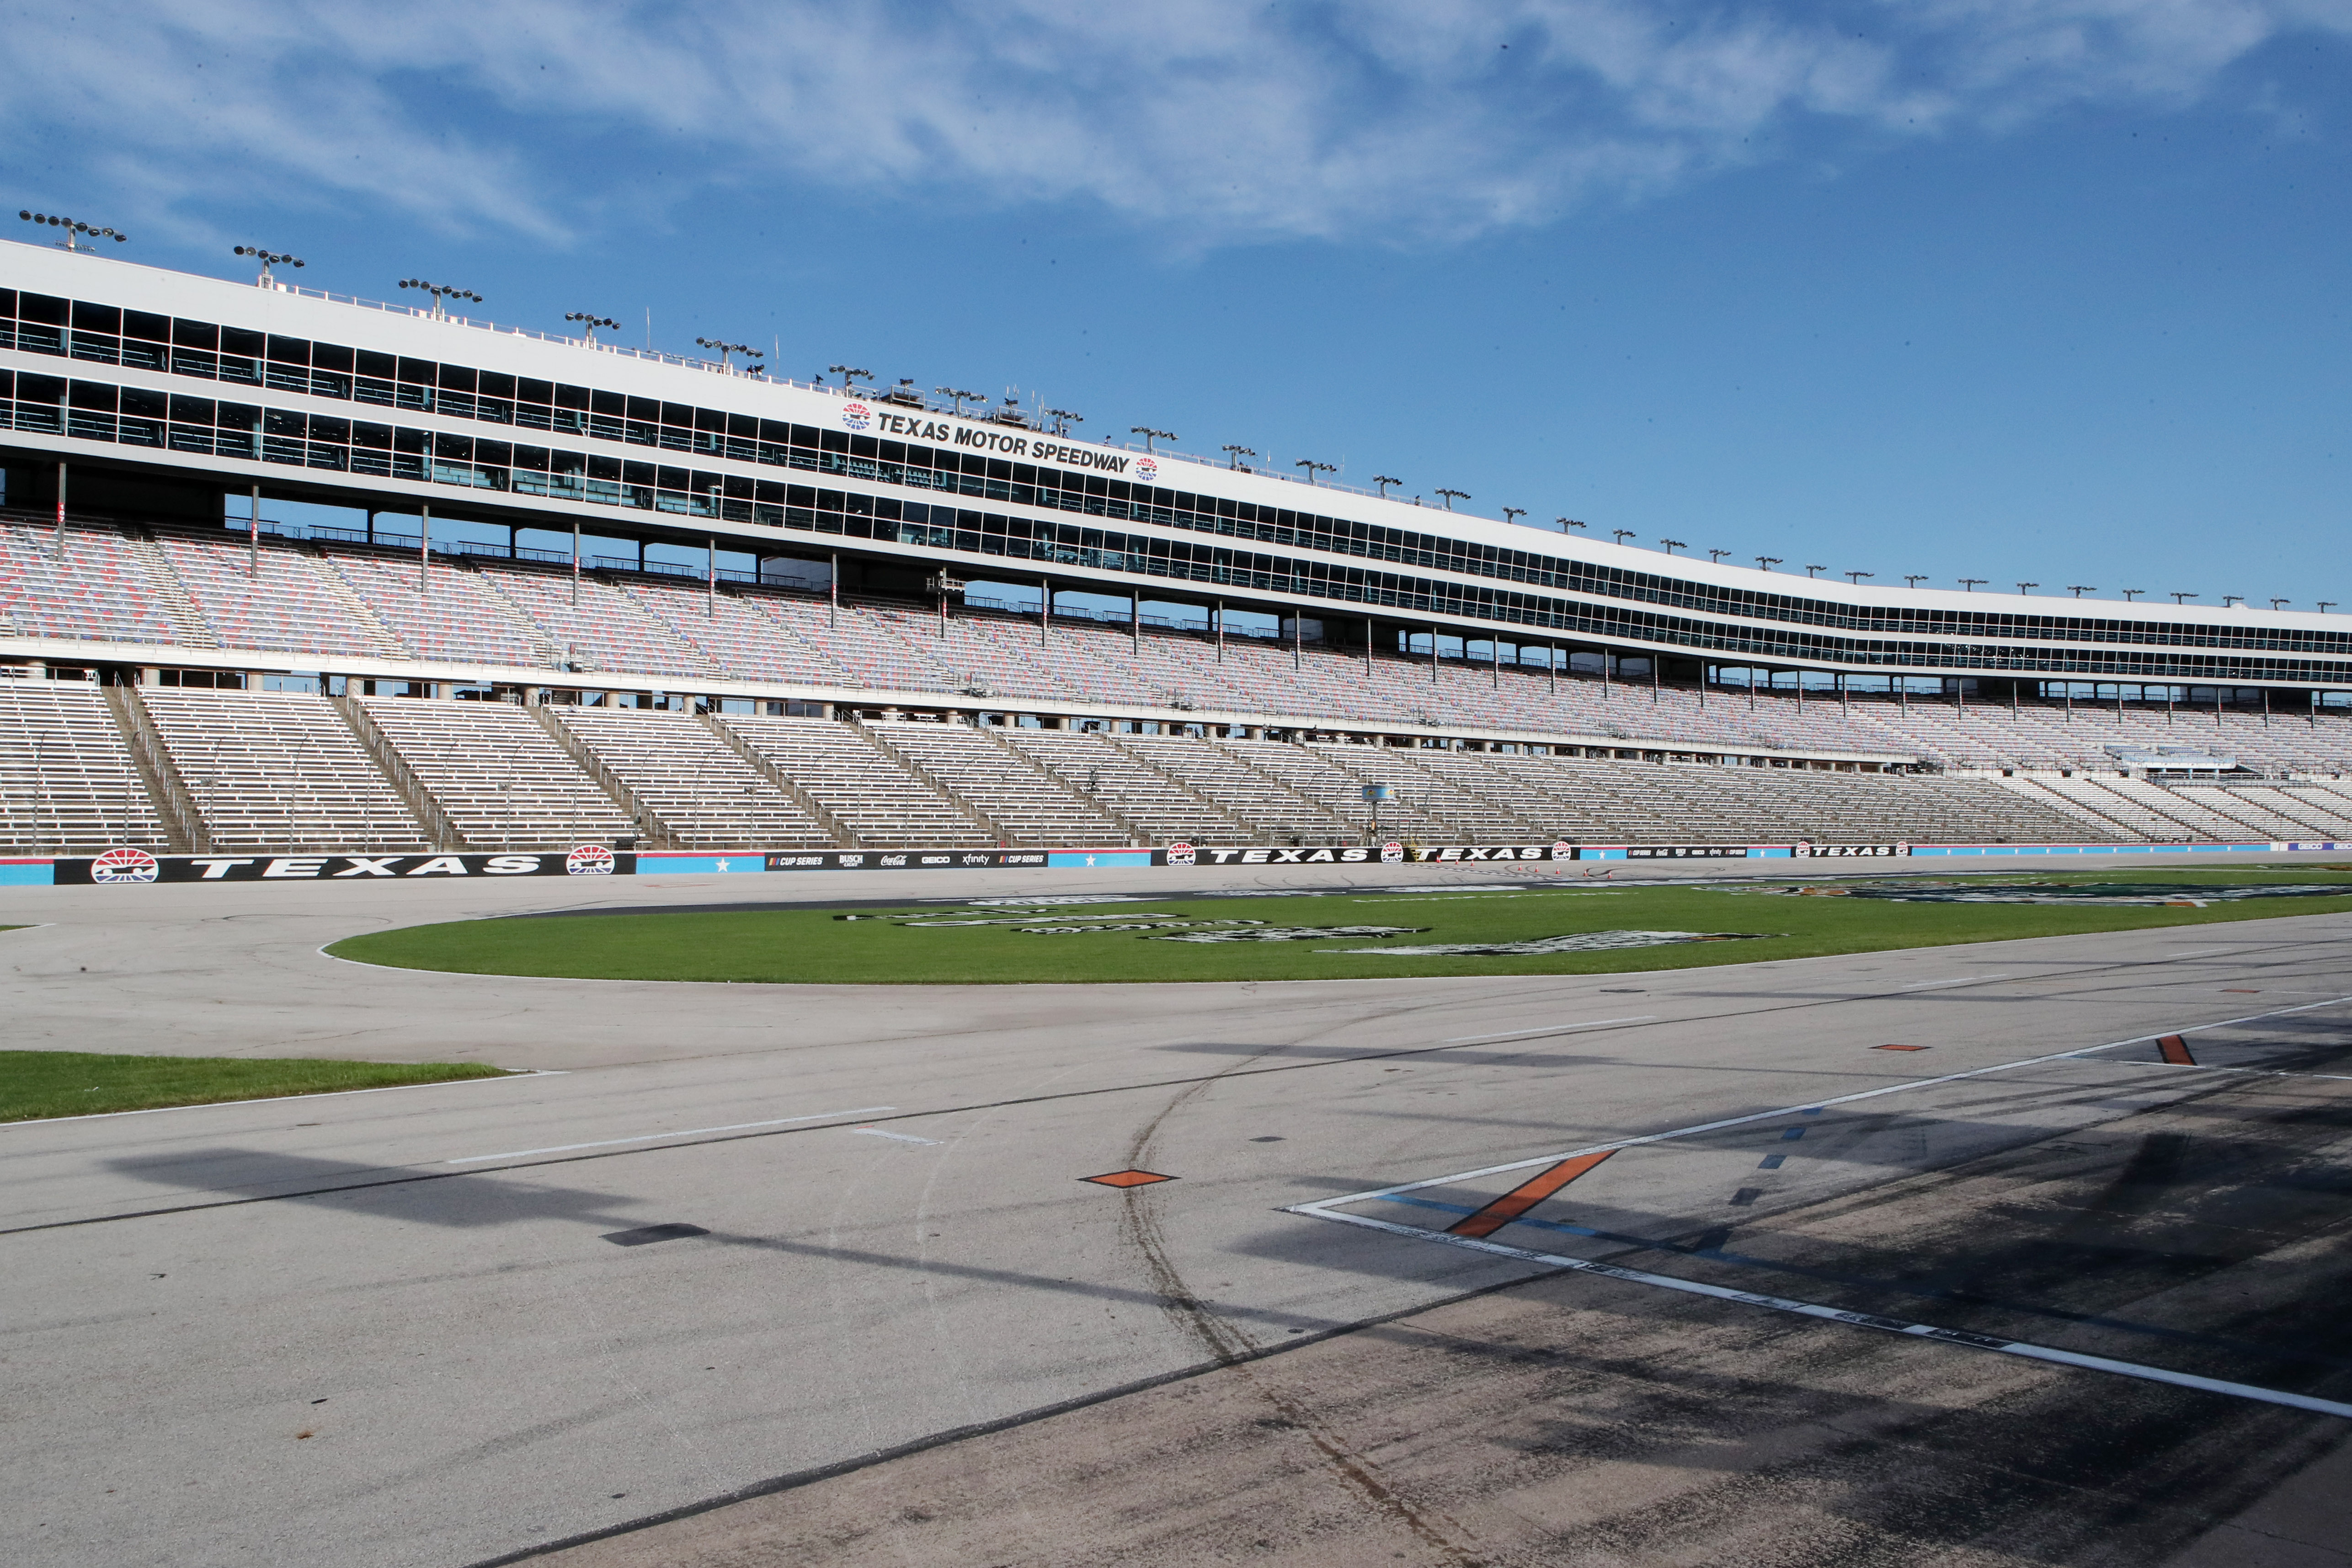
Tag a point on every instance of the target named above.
point(1219, 119)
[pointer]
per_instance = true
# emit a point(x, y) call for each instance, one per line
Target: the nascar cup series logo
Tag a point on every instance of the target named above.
point(589, 860)
point(856, 415)
point(1147, 469)
point(1391, 853)
point(1180, 854)
point(124, 866)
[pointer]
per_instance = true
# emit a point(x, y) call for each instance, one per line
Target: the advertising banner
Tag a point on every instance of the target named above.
point(921, 859)
point(1804, 850)
point(1687, 852)
point(1359, 854)
point(137, 866)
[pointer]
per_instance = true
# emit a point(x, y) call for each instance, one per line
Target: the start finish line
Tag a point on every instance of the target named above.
point(132, 867)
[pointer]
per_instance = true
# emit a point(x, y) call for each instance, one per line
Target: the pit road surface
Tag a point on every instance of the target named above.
point(397, 1328)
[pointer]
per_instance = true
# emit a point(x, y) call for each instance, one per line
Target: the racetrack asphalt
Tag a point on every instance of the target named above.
point(430, 1326)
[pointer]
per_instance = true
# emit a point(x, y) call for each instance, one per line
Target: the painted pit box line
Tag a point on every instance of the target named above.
point(1575, 1162)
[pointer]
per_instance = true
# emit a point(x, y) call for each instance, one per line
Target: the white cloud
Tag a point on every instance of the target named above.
point(1214, 119)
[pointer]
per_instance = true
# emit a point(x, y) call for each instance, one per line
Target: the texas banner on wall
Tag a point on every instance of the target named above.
point(131, 866)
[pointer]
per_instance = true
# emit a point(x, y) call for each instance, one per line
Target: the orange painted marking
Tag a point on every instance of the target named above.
point(1526, 1195)
point(2175, 1050)
point(1128, 1179)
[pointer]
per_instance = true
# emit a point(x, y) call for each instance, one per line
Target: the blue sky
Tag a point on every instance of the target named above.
point(2051, 291)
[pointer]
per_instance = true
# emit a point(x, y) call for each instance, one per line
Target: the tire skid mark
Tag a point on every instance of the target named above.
point(1237, 1353)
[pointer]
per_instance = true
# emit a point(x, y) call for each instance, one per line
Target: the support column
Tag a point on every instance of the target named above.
point(575, 561)
point(710, 580)
point(1045, 610)
point(1495, 664)
point(57, 550)
point(1217, 614)
point(1135, 622)
point(1551, 664)
point(832, 593)
point(1368, 648)
point(423, 544)
point(252, 532)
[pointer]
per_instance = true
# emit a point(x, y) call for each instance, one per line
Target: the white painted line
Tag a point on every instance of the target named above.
point(2255, 1072)
point(902, 1137)
point(1911, 1087)
point(682, 1132)
point(1861, 1320)
point(508, 1077)
point(1550, 1029)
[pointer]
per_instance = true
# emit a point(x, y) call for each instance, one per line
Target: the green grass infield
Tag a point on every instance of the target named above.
point(36, 1084)
point(1570, 928)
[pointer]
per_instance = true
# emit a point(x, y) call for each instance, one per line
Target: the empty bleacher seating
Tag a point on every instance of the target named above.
point(68, 783)
point(500, 776)
point(1164, 810)
point(1020, 798)
point(698, 791)
point(882, 803)
point(279, 769)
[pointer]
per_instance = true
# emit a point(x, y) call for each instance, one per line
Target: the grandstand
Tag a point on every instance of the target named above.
point(184, 663)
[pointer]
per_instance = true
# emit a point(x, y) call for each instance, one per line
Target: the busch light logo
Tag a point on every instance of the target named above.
point(589, 860)
point(124, 866)
point(856, 415)
point(1180, 854)
point(1147, 469)
point(1391, 853)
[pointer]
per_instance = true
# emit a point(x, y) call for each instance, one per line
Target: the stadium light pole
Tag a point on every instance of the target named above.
point(2280, 604)
point(2230, 599)
point(2079, 589)
point(850, 372)
point(1622, 534)
point(1309, 464)
point(1149, 435)
point(1513, 513)
point(2184, 598)
point(589, 322)
point(442, 293)
point(1063, 419)
point(726, 348)
point(1915, 579)
point(268, 258)
point(2130, 593)
point(1716, 555)
point(1855, 577)
point(1567, 522)
point(1670, 544)
point(1768, 562)
point(1453, 496)
point(1382, 480)
point(1971, 584)
point(956, 395)
point(73, 228)
point(1234, 456)
point(2326, 604)
point(1815, 571)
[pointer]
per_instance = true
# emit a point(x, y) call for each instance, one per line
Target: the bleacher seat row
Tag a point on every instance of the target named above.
point(257, 770)
point(344, 605)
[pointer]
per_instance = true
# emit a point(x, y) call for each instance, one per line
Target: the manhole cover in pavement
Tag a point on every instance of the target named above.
point(1128, 1179)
